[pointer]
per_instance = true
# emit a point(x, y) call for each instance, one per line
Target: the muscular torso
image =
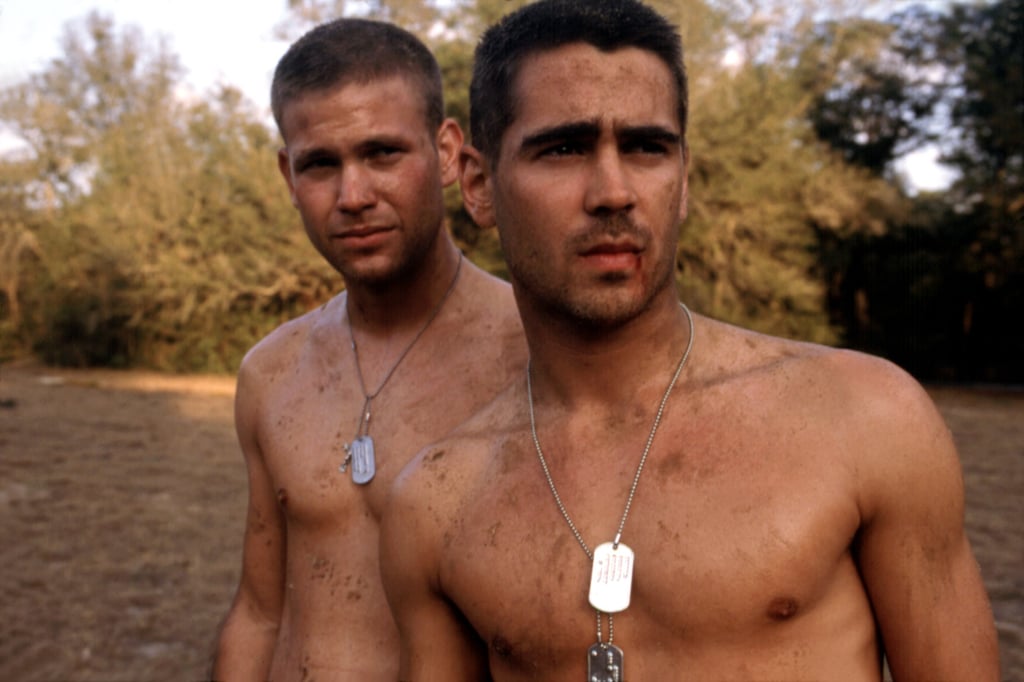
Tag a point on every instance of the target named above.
point(335, 623)
point(744, 526)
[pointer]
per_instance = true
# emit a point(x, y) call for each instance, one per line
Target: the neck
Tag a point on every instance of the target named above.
point(608, 366)
point(381, 309)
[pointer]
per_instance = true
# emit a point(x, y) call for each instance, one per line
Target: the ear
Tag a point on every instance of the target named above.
point(449, 142)
point(284, 164)
point(685, 197)
point(477, 188)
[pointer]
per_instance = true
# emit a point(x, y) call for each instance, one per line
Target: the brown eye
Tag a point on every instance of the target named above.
point(562, 149)
point(383, 153)
point(316, 162)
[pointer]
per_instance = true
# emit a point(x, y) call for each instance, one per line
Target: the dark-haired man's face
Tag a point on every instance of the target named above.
point(590, 185)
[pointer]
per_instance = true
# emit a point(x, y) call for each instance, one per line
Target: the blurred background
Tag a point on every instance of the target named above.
point(856, 177)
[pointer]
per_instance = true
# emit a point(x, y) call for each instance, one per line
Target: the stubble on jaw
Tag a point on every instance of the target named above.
point(600, 303)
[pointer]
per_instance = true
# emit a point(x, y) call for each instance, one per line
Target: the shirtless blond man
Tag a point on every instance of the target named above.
point(799, 510)
point(332, 405)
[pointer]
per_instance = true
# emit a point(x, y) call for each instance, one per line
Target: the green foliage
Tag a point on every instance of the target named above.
point(20, 254)
point(870, 104)
point(168, 240)
point(941, 291)
point(763, 190)
point(418, 16)
point(144, 230)
point(985, 45)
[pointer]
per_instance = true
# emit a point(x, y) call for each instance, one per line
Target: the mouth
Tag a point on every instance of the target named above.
point(361, 232)
point(363, 237)
point(611, 248)
point(612, 255)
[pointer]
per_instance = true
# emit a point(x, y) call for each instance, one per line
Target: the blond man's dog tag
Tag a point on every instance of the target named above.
point(360, 456)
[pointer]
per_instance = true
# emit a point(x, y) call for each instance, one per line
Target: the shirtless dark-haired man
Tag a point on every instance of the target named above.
point(661, 496)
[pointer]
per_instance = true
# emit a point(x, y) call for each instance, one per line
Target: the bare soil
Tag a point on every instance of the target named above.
point(122, 497)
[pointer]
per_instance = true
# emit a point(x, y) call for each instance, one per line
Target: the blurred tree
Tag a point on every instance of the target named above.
point(103, 82)
point(983, 44)
point(19, 251)
point(302, 15)
point(873, 102)
point(165, 235)
point(418, 16)
point(102, 79)
point(159, 232)
point(765, 193)
point(953, 78)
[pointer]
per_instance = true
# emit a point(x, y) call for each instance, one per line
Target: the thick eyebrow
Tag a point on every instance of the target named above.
point(382, 141)
point(588, 130)
point(364, 147)
point(567, 131)
point(651, 133)
point(312, 154)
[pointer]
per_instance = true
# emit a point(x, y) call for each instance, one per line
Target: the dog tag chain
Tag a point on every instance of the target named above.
point(611, 577)
point(360, 452)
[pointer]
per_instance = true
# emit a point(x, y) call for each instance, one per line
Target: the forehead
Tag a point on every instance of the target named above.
point(392, 102)
point(578, 82)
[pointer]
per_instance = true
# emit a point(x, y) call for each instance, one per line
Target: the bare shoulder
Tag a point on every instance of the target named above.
point(282, 348)
point(881, 419)
point(456, 468)
point(425, 504)
point(482, 334)
point(489, 302)
point(812, 376)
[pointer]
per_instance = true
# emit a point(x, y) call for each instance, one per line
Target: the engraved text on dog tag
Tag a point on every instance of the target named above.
point(611, 579)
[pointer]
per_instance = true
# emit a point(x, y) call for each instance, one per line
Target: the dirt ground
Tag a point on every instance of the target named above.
point(121, 506)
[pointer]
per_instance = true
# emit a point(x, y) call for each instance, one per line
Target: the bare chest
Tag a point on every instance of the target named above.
point(734, 534)
point(316, 432)
point(317, 423)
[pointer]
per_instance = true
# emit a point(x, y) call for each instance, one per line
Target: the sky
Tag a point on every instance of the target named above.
point(216, 41)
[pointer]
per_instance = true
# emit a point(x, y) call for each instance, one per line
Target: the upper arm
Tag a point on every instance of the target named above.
point(250, 629)
point(264, 543)
point(924, 584)
point(437, 642)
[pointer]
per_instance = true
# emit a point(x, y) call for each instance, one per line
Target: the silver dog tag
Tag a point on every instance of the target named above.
point(364, 465)
point(604, 663)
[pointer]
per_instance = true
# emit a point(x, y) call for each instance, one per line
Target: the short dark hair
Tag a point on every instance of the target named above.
point(356, 50)
point(606, 24)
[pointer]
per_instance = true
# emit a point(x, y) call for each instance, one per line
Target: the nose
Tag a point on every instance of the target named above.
point(610, 188)
point(355, 189)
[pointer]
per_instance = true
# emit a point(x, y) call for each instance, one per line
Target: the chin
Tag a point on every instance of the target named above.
point(377, 271)
point(367, 273)
point(604, 311)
